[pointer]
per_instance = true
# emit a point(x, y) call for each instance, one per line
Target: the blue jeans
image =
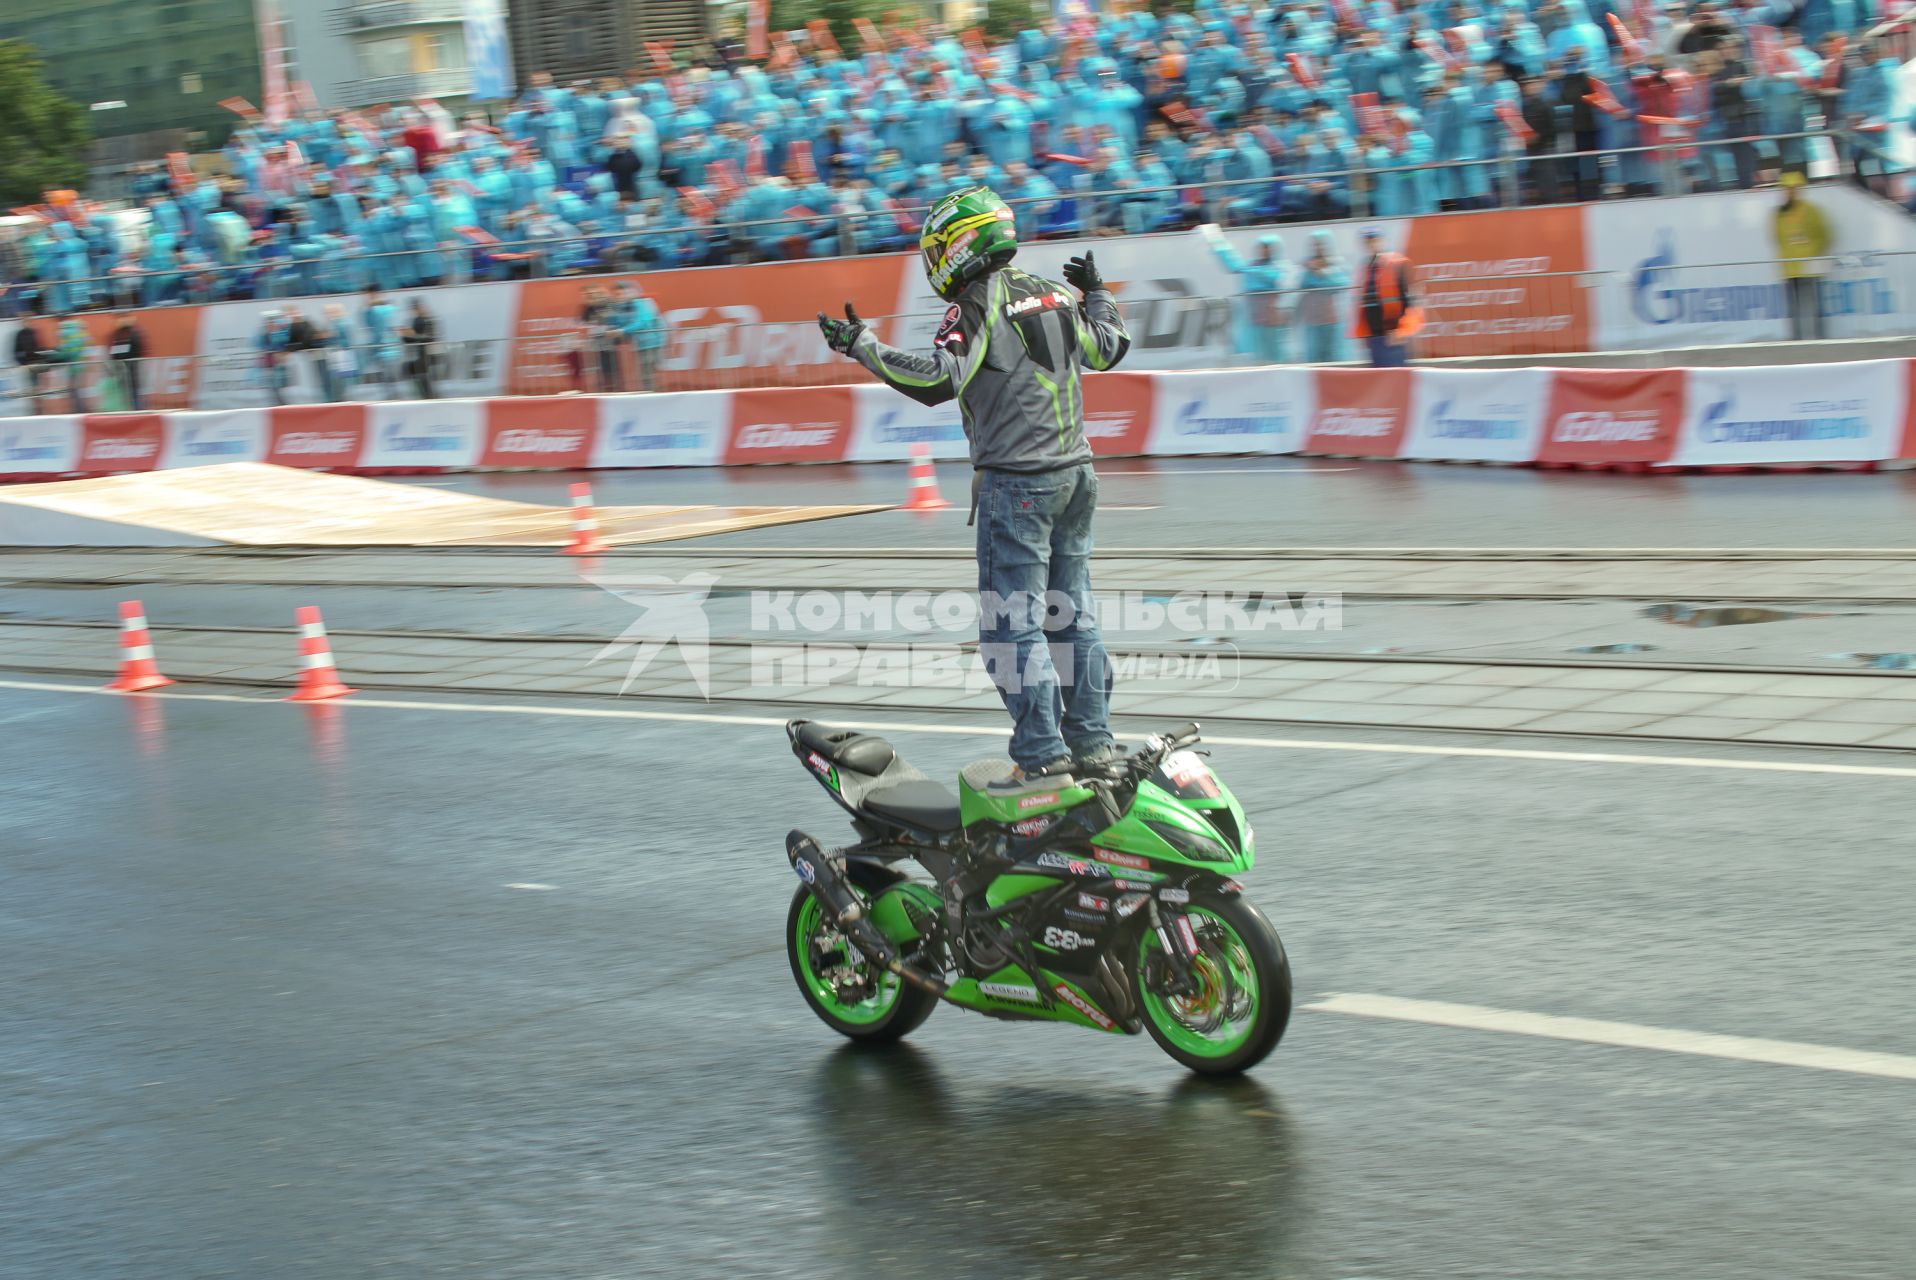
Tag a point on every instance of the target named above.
point(1385, 354)
point(1038, 631)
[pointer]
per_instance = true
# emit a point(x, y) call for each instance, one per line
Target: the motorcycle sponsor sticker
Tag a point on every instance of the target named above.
point(1129, 903)
point(1360, 413)
point(121, 441)
point(1612, 415)
point(1008, 991)
point(1066, 939)
point(1189, 937)
point(1033, 826)
point(1042, 801)
point(1065, 862)
point(1187, 770)
point(1082, 1005)
point(805, 870)
point(1130, 884)
point(822, 767)
point(1117, 859)
point(1233, 886)
point(1084, 917)
point(1174, 895)
point(1092, 902)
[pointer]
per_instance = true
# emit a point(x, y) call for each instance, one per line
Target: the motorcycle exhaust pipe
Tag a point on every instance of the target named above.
point(824, 876)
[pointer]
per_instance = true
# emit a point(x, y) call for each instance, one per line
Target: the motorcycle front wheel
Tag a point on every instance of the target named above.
point(850, 995)
point(1243, 1002)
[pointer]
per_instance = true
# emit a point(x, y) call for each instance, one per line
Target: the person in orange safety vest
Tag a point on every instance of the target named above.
point(1387, 313)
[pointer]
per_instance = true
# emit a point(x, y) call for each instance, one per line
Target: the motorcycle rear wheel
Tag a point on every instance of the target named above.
point(1244, 1005)
point(893, 1011)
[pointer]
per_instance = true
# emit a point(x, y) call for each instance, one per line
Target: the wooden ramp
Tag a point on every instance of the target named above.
point(256, 505)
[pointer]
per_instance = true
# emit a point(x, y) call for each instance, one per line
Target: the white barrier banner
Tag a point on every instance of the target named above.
point(198, 439)
point(1477, 415)
point(1794, 414)
point(886, 425)
point(687, 429)
point(39, 446)
point(1262, 410)
point(473, 322)
point(424, 433)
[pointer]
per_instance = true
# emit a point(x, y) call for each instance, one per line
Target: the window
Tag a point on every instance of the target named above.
point(380, 59)
point(578, 38)
point(190, 82)
point(446, 50)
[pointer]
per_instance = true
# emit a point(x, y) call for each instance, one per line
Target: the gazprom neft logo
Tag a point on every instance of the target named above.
point(629, 437)
point(214, 442)
point(1492, 422)
point(1258, 419)
point(1662, 293)
point(18, 446)
point(1807, 420)
point(439, 439)
point(891, 428)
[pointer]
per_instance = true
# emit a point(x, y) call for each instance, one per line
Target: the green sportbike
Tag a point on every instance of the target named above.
point(1106, 901)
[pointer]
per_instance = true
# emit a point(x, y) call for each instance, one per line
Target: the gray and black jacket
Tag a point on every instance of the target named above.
point(1010, 349)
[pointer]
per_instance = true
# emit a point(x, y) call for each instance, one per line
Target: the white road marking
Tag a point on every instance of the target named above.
point(531, 888)
point(1626, 1035)
point(993, 731)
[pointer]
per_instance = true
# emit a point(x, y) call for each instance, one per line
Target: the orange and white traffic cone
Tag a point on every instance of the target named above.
point(585, 524)
point(318, 677)
point(138, 671)
point(924, 482)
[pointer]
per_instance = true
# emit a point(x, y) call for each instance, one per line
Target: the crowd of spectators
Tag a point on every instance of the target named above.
point(1232, 113)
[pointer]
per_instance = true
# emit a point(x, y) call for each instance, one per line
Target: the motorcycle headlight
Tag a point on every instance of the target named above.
point(1190, 843)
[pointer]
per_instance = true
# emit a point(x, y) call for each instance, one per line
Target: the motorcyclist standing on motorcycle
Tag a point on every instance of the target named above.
point(1010, 350)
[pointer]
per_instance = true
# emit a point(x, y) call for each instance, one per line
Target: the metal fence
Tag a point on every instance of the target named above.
point(1862, 295)
point(1677, 166)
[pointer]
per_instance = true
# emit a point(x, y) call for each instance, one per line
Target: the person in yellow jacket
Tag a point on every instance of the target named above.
point(1387, 312)
point(1802, 241)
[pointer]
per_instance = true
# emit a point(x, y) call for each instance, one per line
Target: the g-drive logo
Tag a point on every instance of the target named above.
point(1258, 419)
point(1604, 426)
point(1493, 422)
point(891, 429)
point(1807, 420)
point(436, 439)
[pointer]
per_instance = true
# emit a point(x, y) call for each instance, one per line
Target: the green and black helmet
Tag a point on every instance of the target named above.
point(967, 233)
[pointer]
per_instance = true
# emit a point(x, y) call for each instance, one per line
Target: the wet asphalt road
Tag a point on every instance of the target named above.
point(273, 1010)
point(1301, 502)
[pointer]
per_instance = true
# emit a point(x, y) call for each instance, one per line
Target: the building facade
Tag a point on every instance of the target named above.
point(588, 39)
point(171, 62)
point(365, 52)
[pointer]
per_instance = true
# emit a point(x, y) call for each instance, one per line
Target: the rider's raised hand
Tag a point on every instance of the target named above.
point(841, 335)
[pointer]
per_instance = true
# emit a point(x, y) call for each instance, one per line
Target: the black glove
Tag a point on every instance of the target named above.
point(1082, 273)
point(841, 335)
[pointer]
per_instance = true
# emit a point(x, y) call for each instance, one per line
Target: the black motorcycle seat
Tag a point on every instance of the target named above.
point(859, 752)
point(923, 804)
